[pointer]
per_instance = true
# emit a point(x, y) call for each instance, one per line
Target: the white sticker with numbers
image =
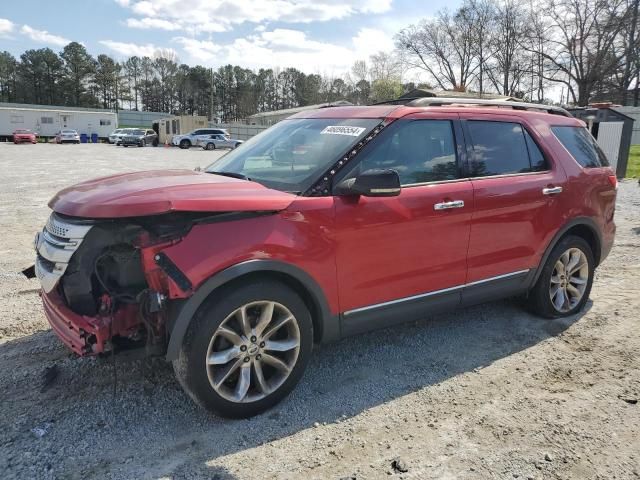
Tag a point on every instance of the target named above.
point(343, 130)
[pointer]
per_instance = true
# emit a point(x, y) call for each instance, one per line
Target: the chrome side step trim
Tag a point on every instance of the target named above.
point(498, 277)
point(435, 292)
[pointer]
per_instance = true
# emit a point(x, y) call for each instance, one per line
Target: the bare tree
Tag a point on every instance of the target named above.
point(443, 47)
point(385, 66)
point(510, 65)
point(481, 14)
point(586, 43)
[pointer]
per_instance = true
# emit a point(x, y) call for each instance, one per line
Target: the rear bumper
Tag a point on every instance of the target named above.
point(86, 335)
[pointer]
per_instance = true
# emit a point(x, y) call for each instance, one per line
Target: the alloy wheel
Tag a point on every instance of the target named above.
point(569, 280)
point(253, 351)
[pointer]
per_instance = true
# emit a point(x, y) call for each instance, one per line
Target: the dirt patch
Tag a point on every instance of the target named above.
point(483, 392)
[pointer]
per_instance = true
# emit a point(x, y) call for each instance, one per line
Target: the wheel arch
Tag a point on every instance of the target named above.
point(325, 325)
point(583, 227)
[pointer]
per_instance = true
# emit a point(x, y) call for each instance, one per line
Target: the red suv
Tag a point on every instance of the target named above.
point(330, 223)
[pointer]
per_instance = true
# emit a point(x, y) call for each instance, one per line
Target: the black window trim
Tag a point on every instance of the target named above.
point(469, 149)
point(458, 140)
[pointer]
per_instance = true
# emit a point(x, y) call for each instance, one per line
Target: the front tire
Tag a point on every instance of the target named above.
point(565, 282)
point(246, 349)
point(185, 144)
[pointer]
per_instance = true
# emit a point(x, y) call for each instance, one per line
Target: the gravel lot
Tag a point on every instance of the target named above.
point(484, 392)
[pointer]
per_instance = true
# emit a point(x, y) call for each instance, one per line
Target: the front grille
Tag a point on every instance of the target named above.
point(55, 246)
point(56, 227)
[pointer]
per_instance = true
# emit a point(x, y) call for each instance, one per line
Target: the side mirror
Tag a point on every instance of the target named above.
point(371, 183)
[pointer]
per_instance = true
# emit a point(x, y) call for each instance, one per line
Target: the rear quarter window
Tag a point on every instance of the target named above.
point(581, 145)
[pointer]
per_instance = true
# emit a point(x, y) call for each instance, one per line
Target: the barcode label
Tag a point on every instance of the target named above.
point(342, 130)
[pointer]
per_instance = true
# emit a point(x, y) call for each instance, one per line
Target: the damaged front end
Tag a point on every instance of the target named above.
point(103, 287)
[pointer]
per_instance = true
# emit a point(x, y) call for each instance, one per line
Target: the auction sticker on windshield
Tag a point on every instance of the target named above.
point(342, 130)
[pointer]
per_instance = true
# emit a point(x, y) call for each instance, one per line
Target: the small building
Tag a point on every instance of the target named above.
point(139, 118)
point(271, 118)
point(47, 120)
point(612, 130)
point(177, 125)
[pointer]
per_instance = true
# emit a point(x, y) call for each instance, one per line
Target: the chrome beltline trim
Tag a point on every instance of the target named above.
point(435, 292)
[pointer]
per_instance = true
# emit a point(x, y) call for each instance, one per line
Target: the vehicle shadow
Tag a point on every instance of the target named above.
point(151, 421)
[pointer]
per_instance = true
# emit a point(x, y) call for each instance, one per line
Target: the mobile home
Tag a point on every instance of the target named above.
point(168, 127)
point(47, 120)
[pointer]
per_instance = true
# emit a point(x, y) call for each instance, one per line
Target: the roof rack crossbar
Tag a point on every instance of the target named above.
point(444, 102)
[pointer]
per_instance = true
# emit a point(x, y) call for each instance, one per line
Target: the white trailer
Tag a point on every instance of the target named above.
point(46, 122)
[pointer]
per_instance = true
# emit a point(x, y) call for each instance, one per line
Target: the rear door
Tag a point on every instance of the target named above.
point(404, 257)
point(517, 203)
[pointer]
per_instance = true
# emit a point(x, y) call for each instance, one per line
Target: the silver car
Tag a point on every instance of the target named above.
point(211, 142)
point(117, 135)
point(190, 139)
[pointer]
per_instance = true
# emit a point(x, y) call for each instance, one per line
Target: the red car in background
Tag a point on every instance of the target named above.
point(24, 136)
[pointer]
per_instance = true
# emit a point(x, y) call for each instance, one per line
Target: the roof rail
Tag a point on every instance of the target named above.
point(444, 102)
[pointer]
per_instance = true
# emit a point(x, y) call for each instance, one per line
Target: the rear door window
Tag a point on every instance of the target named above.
point(502, 148)
point(581, 145)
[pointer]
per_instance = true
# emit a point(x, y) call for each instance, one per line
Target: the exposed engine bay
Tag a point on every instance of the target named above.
point(112, 275)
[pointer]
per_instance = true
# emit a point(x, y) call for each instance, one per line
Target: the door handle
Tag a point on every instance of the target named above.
point(551, 190)
point(448, 205)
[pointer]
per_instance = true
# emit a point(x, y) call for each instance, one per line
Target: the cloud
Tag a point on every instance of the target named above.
point(369, 41)
point(283, 47)
point(42, 36)
point(148, 23)
point(196, 16)
point(126, 49)
point(6, 27)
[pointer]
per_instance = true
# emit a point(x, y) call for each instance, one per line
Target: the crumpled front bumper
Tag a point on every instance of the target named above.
point(87, 335)
point(84, 335)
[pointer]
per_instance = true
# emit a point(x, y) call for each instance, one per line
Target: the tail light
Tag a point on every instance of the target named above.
point(613, 180)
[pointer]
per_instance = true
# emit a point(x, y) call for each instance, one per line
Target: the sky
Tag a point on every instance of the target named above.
point(315, 36)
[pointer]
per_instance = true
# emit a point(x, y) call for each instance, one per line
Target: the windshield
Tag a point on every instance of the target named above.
point(292, 154)
point(137, 132)
point(69, 131)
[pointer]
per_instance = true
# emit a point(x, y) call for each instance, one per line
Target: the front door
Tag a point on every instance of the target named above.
point(404, 257)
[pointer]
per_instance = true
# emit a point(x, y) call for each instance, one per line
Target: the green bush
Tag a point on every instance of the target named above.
point(633, 167)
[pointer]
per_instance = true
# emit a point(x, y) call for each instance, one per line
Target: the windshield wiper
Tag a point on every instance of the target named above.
point(232, 175)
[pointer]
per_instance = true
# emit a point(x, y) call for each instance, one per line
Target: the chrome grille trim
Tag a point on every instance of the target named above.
point(55, 246)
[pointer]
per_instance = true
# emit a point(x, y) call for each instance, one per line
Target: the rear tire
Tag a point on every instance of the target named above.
point(564, 284)
point(211, 146)
point(230, 369)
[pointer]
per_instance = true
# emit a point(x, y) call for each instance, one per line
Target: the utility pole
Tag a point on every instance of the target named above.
point(212, 96)
point(629, 55)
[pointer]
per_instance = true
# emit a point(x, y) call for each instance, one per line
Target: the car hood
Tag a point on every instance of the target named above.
point(162, 191)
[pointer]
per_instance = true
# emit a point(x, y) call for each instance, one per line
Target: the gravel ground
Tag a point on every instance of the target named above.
point(481, 393)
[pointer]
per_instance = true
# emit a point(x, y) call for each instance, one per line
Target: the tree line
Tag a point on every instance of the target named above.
point(587, 48)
